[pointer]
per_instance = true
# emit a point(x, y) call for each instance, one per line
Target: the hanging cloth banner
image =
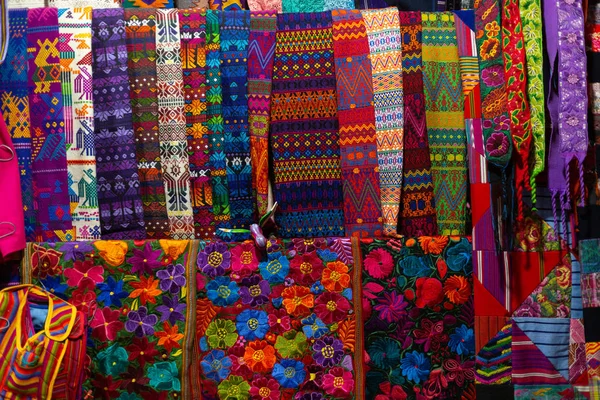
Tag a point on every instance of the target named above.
point(417, 204)
point(49, 158)
point(121, 210)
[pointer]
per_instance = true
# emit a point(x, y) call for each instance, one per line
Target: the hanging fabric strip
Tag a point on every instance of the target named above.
point(417, 205)
point(121, 211)
point(531, 19)
point(14, 100)
point(192, 24)
point(496, 129)
point(141, 51)
point(515, 75)
point(235, 30)
point(49, 159)
point(593, 57)
point(4, 30)
point(356, 115)
point(172, 124)
point(261, 50)
point(75, 47)
point(214, 122)
point(445, 121)
point(304, 128)
point(383, 30)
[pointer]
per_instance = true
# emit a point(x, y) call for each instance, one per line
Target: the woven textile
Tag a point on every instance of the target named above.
point(49, 160)
point(258, 334)
point(84, 3)
point(121, 211)
point(235, 30)
point(593, 56)
point(303, 6)
point(515, 74)
point(75, 47)
point(356, 115)
point(191, 4)
point(138, 300)
point(417, 204)
point(214, 122)
point(265, 5)
point(383, 30)
point(5, 31)
point(148, 3)
point(445, 121)
point(261, 52)
point(141, 51)
point(496, 124)
point(192, 25)
point(304, 128)
point(14, 98)
point(418, 317)
point(26, 3)
point(172, 125)
point(367, 4)
point(531, 18)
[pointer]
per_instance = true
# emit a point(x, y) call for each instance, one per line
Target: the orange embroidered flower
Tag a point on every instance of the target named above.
point(492, 28)
point(563, 275)
point(298, 300)
point(259, 356)
point(457, 289)
point(112, 251)
point(489, 49)
point(173, 248)
point(433, 244)
point(170, 337)
point(335, 277)
point(146, 289)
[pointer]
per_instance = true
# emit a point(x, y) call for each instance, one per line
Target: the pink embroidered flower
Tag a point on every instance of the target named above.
point(573, 121)
point(379, 263)
point(106, 324)
point(84, 270)
point(338, 382)
point(493, 75)
point(502, 122)
point(572, 79)
point(497, 144)
point(84, 302)
point(331, 307)
point(243, 259)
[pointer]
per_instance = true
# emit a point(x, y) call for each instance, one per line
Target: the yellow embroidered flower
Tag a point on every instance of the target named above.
point(489, 49)
point(173, 248)
point(112, 251)
point(492, 29)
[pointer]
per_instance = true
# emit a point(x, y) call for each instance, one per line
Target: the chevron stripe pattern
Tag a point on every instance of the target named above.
point(444, 106)
point(417, 204)
point(383, 30)
point(356, 115)
point(493, 362)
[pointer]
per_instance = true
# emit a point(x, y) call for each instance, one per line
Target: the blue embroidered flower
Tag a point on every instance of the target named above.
point(458, 257)
point(347, 293)
point(462, 341)
point(54, 286)
point(415, 367)
point(222, 291)
point(328, 255)
point(277, 302)
point(113, 361)
point(216, 365)
point(111, 292)
point(314, 327)
point(317, 288)
point(164, 376)
point(275, 270)
point(252, 324)
point(289, 373)
point(414, 266)
point(385, 353)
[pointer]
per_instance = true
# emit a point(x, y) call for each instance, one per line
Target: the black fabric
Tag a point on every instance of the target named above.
point(495, 392)
point(414, 5)
point(591, 316)
point(593, 60)
point(589, 221)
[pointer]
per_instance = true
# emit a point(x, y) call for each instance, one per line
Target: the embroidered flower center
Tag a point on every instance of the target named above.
point(571, 38)
point(140, 323)
point(572, 79)
point(112, 293)
point(255, 290)
point(312, 376)
point(253, 323)
point(306, 268)
point(221, 333)
point(215, 259)
point(274, 267)
point(335, 276)
point(327, 351)
point(264, 391)
point(246, 257)
point(216, 365)
point(223, 291)
point(297, 300)
point(573, 121)
point(142, 353)
point(314, 327)
point(171, 309)
point(309, 242)
point(85, 275)
point(289, 372)
point(233, 391)
point(171, 277)
point(258, 356)
point(331, 306)
point(338, 381)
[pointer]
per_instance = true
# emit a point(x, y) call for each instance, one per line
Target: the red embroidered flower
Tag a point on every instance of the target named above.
point(306, 268)
point(457, 289)
point(142, 351)
point(83, 271)
point(243, 259)
point(279, 321)
point(45, 262)
point(379, 263)
point(84, 301)
point(106, 324)
point(263, 388)
point(331, 307)
point(298, 300)
point(431, 334)
point(429, 292)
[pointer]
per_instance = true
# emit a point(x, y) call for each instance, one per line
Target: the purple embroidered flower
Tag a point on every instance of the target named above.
point(140, 322)
point(171, 310)
point(145, 261)
point(529, 308)
point(497, 144)
point(502, 122)
point(572, 79)
point(214, 259)
point(392, 307)
point(573, 121)
point(328, 351)
point(172, 278)
point(493, 76)
point(255, 291)
point(75, 250)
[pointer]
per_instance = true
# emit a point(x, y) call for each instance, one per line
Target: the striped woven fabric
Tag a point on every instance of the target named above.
point(494, 359)
point(304, 128)
point(356, 115)
point(383, 29)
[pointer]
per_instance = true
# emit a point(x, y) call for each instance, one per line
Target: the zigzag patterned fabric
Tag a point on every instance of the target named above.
point(383, 31)
point(148, 3)
point(356, 115)
point(14, 101)
point(445, 121)
point(121, 210)
point(261, 52)
point(417, 204)
point(172, 125)
point(75, 46)
point(192, 25)
point(49, 158)
point(235, 31)
point(304, 128)
point(141, 46)
point(494, 360)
